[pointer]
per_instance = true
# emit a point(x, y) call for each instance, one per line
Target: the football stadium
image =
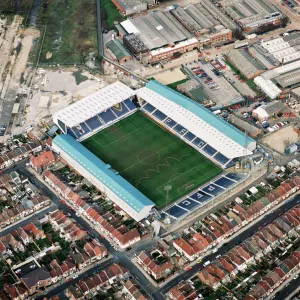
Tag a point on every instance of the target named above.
point(152, 147)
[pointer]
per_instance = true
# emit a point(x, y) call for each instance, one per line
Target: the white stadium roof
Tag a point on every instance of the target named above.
point(228, 140)
point(94, 104)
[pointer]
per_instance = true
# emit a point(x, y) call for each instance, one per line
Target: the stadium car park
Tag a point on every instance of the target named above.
point(135, 143)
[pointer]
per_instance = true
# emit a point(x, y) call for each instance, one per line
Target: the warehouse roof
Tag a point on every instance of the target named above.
point(289, 78)
point(129, 4)
point(102, 172)
point(296, 91)
point(194, 117)
point(117, 49)
point(156, 29)
point(268, 87)
point(243, 125)
point(246, 67)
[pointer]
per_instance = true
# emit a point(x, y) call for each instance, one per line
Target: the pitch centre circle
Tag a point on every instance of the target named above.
point(148, 157)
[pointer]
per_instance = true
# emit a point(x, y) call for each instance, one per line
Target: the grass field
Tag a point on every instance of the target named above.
point(110, 14)
point(71, 31)
point(150, 158)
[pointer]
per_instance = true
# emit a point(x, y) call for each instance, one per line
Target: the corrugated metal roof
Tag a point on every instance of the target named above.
point(102, 172)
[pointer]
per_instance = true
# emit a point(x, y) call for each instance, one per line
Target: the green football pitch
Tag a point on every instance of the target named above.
point(151, 158)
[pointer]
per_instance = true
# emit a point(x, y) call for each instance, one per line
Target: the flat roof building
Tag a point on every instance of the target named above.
point(264, 112)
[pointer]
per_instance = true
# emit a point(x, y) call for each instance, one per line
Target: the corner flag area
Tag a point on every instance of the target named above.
point(151, 158)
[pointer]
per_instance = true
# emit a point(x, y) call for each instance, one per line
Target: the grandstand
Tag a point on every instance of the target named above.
point(103, 128)
point(201, 196)
point(96, 112)
point(197, 126)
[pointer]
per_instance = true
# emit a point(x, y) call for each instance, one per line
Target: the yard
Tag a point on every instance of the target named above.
point(71, 31)
point(110, 14)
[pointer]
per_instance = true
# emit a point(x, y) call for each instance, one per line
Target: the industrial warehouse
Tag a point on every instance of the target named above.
point(160, 35)
point(251, 15)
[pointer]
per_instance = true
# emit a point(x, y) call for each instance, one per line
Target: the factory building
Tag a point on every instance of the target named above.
point(242, 61)
point(130, 7)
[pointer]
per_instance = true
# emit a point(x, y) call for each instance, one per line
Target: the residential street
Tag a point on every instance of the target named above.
point(125, 257)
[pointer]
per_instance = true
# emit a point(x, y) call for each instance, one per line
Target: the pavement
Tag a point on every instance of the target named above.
point(158, 294)
point(288, 290)
point(59, 289)
point(124, 258)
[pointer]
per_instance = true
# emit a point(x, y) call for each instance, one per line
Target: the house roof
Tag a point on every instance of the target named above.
point(32, 278)
point(42, 159)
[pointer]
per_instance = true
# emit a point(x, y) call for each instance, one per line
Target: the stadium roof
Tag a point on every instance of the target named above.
point(94, 104)
point(103, 172)
point(224, 137)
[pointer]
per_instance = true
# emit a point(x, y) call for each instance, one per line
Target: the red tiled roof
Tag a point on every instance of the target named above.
point(42, 159)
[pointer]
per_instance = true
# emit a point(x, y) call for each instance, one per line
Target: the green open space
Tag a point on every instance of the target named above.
point(149, 157)
point(175, 84)
point(71, 31)
point(110, 14)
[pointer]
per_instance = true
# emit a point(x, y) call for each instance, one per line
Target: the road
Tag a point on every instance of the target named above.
point(60, 289)
point(99, 29)
point(25, 221)
point(226, 247)
point(288, 291)
point(125, 257)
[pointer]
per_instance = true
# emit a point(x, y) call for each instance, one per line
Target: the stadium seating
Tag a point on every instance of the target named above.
point(119, 110)
point(149, 108)
point(221, 158)
point(159, 115)
point(180, 129)
point(170, 123)
point(224, 182)
point(200, 196)
point(93, 123)
point(71, 132)
point(230, 164)
point(85, 129)
point(107, 116)
point(188, 204)
point(199, 143)
point(77, 132)
point(129, 104)
point(209, 150)
point(176, 211)
point(236, 176)
point(213, 189)
point(189, 136)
